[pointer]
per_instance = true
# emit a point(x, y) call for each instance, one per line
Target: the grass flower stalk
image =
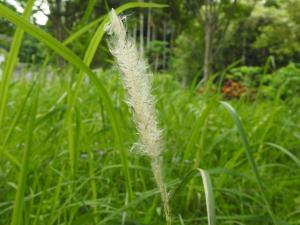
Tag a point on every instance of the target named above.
point(136, 82)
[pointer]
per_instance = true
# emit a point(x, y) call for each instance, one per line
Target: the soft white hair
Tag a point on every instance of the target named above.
point(136, 81)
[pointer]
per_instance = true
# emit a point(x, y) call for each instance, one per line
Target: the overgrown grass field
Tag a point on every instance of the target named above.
point(68, 153)
point(88, 186)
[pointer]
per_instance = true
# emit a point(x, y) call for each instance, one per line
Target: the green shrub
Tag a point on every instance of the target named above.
point(284, 82)
point(249, 75)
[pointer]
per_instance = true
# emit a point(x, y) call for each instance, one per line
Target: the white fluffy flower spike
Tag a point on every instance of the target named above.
point(136, 82)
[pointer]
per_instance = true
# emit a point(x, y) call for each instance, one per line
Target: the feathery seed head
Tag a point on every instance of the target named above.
point(136, 81)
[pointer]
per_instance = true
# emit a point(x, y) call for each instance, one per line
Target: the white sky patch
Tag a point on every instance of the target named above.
point(40, 16)
point(16, 4)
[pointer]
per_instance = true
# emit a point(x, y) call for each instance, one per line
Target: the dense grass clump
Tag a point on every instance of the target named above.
point(198, 132)
point(229, 147)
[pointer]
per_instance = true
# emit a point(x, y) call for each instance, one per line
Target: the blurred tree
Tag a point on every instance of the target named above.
point(279, 34)
point(194, 37)
point(214, 18)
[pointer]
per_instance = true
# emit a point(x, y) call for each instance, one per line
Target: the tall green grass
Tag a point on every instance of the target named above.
point(83, 66)
point(52, 196)
point(250, 157)
point(19, 199)
point(11, 60)
point(48, 177)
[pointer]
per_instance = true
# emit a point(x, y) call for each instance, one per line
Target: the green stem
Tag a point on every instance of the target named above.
point(11, 61)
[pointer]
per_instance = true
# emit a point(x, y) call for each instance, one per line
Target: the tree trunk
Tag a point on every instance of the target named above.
point(207, 53)
point(156, 63)
point(153, 35)
point(141, 31)
point(135, 31)
point(171, 40)
point(149, 26)
point(165, 47)
point(56, 9)
point(208, 23)
point(244, 51)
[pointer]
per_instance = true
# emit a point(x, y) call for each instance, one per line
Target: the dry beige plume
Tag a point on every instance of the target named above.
point(136, 82)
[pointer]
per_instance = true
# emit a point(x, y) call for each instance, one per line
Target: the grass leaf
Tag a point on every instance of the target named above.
point(208, 190)
point(250, 157)
point(19, 200)
point(285, 151)
point(11, 60)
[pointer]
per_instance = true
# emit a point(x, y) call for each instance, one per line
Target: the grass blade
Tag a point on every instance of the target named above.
point(17, 117)
point(98, 36)
point(19, 200)
point(208, 190)
point(88, 57)
point(250, 157)
point(88, 10)
point(209, 197)
point(12, 128)
point(10, 62)
point(287, 152)
point(120, 9)
point(82, 31)
point(45, 38)
point(196, 132)
point(67, 54)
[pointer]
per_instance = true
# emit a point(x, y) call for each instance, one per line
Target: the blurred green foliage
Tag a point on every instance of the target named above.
point(174, 37)
point(283, 83)
point(188, 55)
point(254, 45)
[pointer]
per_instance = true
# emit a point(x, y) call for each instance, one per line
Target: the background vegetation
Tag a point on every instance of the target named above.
point(226, 78)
